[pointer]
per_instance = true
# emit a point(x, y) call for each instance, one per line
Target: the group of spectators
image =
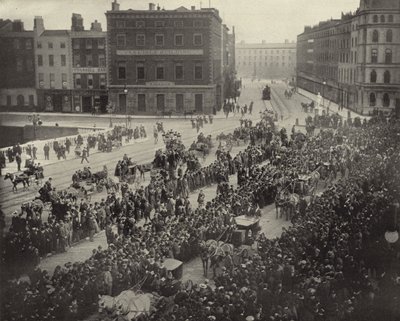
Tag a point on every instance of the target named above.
point(332, 264)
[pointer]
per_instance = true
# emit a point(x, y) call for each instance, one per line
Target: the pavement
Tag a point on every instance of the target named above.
point(143, 151)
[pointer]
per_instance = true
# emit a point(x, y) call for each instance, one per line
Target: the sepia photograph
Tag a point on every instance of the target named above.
point(186, 160)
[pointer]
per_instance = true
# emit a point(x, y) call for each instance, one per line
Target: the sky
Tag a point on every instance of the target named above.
point(254, 20)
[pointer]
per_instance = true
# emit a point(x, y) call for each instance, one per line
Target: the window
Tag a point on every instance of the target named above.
point(102, 60)
point(198, 72)
point(64, 81)
point(39, 45)
point(20, 100)
point(63, 60)
point(159, 24)
point(88, 43)
point(179, 72)
point(52, 81)
point(8, 100)
point(374, 56)
point(388, 56)
point(140, 40)
point(178, 40)
point(41, 80)
point(121, 70)
point(197, 23)
point(62, 45)
point(141, 102)
point(197, 39)
point(389, 35)
point(89, 61)
point(76, 43)
point(102, 81)
point(382, 18)
point(159, 40)
point(51, 60)
point(390, 18)
point(178, 24)
point(121, 40)
point(372, 76)
point(28, 44)
point(139, 24)
point(100, 43)
point(375, 19)
point(78, 83)
point(90, 81)
point(140, 74)
point(160, 73)
point(386, 77)
point(50, 45)
point(372, 99)
point(77, 61)
point(19, 64)
point(40, 60)
point(375, 36)
point(16, 44)
point(120, 23)
point(29, 64)
point(386, 100)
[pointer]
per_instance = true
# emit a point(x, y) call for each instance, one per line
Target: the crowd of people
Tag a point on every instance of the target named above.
point(331, 264)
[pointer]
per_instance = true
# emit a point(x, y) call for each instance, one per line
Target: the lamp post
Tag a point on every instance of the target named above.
point(323, 93)
point(126, 105)
point(36, 121)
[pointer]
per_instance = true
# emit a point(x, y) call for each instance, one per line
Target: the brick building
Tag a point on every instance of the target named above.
point(165, 60)
point(89, 72)
point(354, 61)
point(17, 69)
point(53, 68)
point(266, 60)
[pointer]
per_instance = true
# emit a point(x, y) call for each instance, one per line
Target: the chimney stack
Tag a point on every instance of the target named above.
point(38, 25)
point(17, 25)
point(193, 8)
point(152, 6)
point(158, 7)
point(96, 26)
point(77, 22)
point(115, 6)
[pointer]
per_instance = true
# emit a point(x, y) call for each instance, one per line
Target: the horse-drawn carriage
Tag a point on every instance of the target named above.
point(88, 182)
point(266, 93)
point(203, 145)
point(308, 107)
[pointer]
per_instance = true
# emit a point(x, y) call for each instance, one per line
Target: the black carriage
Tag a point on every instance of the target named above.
point(266, 93)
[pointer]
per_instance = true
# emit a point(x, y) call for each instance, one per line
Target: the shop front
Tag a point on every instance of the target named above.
point(90, 101)
point(58, 101)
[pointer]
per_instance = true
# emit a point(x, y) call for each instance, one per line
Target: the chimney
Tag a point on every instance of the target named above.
point(96, 26)
point(115, 6)
point(77, 22)
point(193, 8)
point(158, 7)
point(152, 6)
point(17, 26)
point(38, 25)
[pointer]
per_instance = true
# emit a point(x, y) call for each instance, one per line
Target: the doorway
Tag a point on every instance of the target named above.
point(87, 104)
point(160, 102)
point(57, 103)
point(198, 103)
point(179, 103)
point(122, 103)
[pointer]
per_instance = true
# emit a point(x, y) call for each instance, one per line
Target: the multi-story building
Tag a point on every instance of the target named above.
point(89, 72)
point(17, 69)
point(354, 61)
point(165, 60)
point(53, 68)
point(266, 60)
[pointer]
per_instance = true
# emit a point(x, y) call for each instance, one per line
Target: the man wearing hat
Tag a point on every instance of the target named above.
point(85, 155)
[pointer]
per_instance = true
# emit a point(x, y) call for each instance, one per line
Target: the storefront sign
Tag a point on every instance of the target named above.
point(160, 83)
point(161, 52)
point(89, 70)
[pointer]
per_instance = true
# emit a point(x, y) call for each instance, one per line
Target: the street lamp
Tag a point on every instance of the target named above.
point(126, 106)
point(36, 121)
point(323, 93)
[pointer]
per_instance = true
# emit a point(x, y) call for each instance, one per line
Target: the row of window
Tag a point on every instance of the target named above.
point(266, 57)
point(63, 60)
point(373, 77)
point(89, 61)
point(347, 75)
point(21, 100)
point(160, 71)
point(388, 56)
point(389, 35)
point(89, 81)
point(159, 40)
point(52, 80)
point(260, 52)
point(19, 43)
point(50, 45)
point(20, 64)
point(271, 64)
point(385, 100)
point(375, 18)
point(121, 24)
point(88, 43)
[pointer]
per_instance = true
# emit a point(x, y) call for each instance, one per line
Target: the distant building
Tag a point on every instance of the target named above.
point(53, 68)
point(17, 68)
point(266, 60)
point(89, 68)
point(166, 60)
point(354, 61)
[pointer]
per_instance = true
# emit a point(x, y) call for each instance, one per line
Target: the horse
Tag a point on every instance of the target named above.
point(111, 185)
point(15, 180)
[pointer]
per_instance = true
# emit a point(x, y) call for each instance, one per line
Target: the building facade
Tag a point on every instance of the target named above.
point(354, 61)
point(266, 60)
point(89, 72)
point(17, 68)
point(165, 60)
point(53, 68)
